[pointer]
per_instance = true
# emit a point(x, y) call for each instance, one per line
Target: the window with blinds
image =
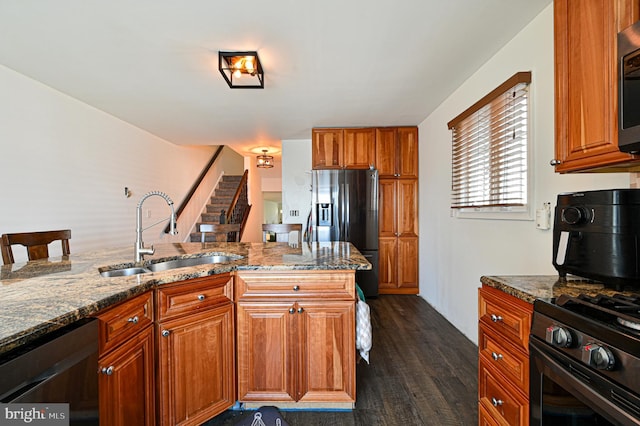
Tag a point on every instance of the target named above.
point(490, 150)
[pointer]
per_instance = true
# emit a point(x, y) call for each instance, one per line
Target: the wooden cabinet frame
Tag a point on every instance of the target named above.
point(586, 83)
point(296, 338)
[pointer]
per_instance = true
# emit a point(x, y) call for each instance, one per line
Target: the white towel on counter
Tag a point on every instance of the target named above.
point(363, 329)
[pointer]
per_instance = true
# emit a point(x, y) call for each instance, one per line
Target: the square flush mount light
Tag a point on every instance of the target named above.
point(241, 70)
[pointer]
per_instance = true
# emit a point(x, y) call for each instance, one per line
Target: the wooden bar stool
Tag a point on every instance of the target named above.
point(221, 232)
point(282, 229)
point(37, 244)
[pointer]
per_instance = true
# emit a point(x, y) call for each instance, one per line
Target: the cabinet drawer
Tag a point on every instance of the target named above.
point(296, 284)
point(507, 315)
point(502, 402)
point(121, 322)
point(505, 358)
point(194, 295)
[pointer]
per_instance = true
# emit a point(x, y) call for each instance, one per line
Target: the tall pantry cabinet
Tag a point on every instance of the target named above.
point(393, 151)
point(397, 163)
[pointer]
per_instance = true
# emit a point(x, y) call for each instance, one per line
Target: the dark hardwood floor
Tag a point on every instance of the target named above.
point(423, 371)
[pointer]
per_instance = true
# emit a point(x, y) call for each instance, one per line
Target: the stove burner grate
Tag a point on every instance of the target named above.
point(620, 309)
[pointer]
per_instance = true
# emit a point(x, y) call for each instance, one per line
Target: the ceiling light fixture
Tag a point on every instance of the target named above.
point(265, 161)
point(241, 70)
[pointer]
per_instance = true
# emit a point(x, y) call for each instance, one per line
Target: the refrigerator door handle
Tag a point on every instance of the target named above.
point(347, 212)
point(342, 202)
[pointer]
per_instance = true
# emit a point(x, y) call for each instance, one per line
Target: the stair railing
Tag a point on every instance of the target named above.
point(196, 184)
point(239, 209)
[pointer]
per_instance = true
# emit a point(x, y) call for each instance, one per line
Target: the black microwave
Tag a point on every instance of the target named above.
point(629, 89)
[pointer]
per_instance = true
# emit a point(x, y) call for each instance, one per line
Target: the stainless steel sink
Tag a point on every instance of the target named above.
point(167, 265)
point(123, 272)
point(190, 261)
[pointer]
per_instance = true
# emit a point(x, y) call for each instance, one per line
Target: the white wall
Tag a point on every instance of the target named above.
point(65, 164)
point(455, 253)
point(296, 180)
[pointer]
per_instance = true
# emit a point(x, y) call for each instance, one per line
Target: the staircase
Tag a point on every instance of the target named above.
point(221, 200)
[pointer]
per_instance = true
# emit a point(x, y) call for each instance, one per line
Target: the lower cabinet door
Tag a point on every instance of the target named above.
point(296, 351)
point(126, 383)
point(327, 351)
point(266, 351)
point(196, 366)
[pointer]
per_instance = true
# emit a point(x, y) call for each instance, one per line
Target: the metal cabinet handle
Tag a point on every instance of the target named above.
point(107, 370)
point(165, 333)
point(496, 318)
point(496, 402)
point(201, 297)
point(300, 310)
point(496, 356)
point(292, 310)
point(296, 287)
point(555, 162)
point(133, 319)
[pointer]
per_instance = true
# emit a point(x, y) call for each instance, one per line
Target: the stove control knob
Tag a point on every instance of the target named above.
point(598, 356)
point(558, 336)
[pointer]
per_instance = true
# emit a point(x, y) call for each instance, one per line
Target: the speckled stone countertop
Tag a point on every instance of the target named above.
point(532, 287)
point(41, 296)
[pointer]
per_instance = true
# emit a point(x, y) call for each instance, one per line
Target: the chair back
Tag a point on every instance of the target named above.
point(220, 232)
point(281, 229)
point(37, 244)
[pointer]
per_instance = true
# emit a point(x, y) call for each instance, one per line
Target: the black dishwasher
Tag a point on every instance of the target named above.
point(61, 367)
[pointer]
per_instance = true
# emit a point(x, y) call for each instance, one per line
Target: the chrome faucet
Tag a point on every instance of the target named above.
point(140, 249)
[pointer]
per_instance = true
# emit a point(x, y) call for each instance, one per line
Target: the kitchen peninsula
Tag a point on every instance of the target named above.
point(276, 300)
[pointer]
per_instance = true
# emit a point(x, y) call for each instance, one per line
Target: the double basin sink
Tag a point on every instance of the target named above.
point(167, 265)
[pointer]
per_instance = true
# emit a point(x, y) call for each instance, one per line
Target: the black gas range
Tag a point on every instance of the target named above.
point(585, 360)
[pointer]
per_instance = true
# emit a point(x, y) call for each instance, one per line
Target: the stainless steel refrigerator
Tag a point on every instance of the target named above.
point(345, 208)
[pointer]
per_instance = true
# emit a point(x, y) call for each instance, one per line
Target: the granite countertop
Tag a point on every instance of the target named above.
point(39, 297)
point(532, 287)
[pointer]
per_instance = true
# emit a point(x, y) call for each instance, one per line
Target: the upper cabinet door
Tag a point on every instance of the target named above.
point(386, 158)
point(359, 148)
point(327, 148)
point(408, 152)
point(397, 152)
point(586, 81)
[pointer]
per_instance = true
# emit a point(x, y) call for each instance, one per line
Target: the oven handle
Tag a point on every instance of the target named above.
point(542, 363)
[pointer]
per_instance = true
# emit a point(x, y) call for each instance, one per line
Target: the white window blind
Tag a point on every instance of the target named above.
point(489, 148)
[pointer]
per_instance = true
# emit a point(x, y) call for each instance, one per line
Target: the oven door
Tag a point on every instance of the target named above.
point(564, 392)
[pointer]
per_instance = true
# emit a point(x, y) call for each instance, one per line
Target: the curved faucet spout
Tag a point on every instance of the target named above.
point(140, 249)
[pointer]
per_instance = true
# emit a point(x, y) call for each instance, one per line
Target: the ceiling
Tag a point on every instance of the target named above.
point(153, 63)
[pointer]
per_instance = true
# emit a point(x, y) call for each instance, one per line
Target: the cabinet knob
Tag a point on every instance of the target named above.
point(555, 162)
point(300, 310)
point(292, 310)
point(133, 320)
point(496, 356)
point(107, 370)
point(201, 297)
point(496, 318)
point(165, 333)
point(296, 287)
point(496, 402)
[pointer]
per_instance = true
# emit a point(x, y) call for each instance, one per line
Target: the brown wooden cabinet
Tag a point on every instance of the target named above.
point(586, 73)
point(503, 346)
point(196, 361)
point(359, 148)
point(398, 236)
point(296, 338)
point(327, 148)
point(126, 363)
point(397, 152)
point(350, 148)
point(393, 151)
